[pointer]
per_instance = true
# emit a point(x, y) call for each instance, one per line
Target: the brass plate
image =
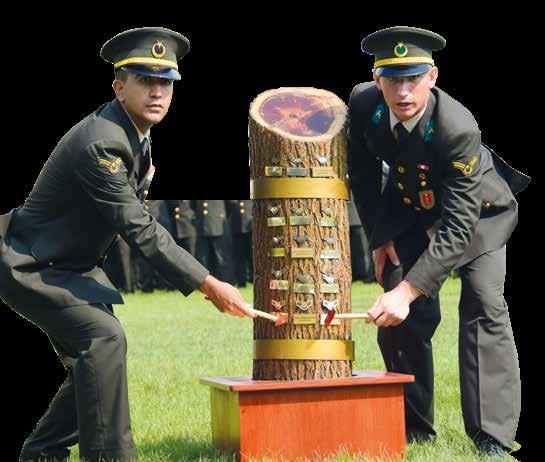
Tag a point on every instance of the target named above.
point(302, 252)
point(322, 172)
point(329, 288)
point(305, 318)
point(273, 171)
point(278, 284)
point(303, 288)
point(276, 221)
point(297, 220)
point(331, 254)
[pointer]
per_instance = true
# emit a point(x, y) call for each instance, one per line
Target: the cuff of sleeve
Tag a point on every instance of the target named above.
point(427, 275)
point(195, 279)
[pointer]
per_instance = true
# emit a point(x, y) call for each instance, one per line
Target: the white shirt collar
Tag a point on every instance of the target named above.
point(408, 124)
point(141, 135)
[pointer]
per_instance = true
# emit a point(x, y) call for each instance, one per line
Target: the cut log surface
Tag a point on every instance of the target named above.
point(300, 134)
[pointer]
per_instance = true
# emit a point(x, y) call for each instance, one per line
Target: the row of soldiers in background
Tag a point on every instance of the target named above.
point(219, 234)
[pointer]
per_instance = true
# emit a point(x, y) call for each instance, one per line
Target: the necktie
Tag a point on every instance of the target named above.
point(145, 160)
point(400, 132)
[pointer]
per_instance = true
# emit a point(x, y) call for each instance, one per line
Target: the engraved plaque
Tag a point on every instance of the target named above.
point(304, 252)
point(296, 171)
point(331, 254)
point(328, 221)
point(304, 318)
point(277, 284)
point(322, 172)
point(278, 252)
point(276, 221)
point(329, 288)
point(273, 171)
point(296, 220)
point(303, 288)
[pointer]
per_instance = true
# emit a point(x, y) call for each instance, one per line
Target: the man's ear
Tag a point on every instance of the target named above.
point(376, 78)
point(118, 87)
point(434, 73)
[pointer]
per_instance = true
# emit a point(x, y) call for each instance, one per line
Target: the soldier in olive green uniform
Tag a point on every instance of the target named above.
point(240, 218)
point(51, 250)
point(184, 219)
point(213, 238)
point(448, 203)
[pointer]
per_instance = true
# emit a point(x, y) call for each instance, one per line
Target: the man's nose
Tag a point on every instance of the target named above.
point(156, 90)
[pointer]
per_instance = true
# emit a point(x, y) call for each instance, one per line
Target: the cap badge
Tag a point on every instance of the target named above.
point(400, 50)
point(158, 50)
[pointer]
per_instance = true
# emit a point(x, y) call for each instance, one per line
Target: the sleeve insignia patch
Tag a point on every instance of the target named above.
point(113, 167)
point(466, 169)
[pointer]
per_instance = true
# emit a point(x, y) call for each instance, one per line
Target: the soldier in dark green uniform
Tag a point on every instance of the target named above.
point(213, 238)
point(52, 249)
point(240, 218)
point(183, 217)
point(448, 203)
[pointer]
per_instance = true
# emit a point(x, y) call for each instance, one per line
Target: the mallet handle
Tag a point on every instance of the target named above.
point(351, 316)
point(265, 315)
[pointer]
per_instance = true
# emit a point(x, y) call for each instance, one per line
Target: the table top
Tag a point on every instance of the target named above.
point(359, 378)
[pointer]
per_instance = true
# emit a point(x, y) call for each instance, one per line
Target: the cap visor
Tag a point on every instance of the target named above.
point(403, 71)
point(166, 73)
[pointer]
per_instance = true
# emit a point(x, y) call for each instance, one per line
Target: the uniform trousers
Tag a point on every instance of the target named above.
point(488, 363)
point(91, 407)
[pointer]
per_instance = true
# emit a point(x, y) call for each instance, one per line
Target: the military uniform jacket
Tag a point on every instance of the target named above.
point(87, 193)
point(441, 179)
point(240, 215)
point(183, 218)
point(210, 218)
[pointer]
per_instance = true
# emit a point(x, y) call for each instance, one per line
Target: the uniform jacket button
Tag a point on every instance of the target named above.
point(177, 216)
point(205, 212)
point(50, 263)
point(423, 184)
point(407, 200)
point(241, 211)
point(241, 204)
point(400, 186)
point(487, 205)
point(177, 209)
point(401, 169)
point(205, 204)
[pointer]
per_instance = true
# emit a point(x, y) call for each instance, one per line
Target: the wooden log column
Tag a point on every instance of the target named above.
point(297, 141)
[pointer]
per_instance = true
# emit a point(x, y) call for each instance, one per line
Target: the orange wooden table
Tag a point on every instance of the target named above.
point(362, 414)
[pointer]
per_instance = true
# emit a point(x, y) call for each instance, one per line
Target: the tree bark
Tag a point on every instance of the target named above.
point(290, 129)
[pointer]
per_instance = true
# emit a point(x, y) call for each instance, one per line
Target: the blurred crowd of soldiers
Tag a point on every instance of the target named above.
point(219, 234)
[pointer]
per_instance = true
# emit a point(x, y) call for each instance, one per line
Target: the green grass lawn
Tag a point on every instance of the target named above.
point(174, 340)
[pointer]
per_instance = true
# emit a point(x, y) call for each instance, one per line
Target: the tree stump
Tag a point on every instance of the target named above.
point(297, 142)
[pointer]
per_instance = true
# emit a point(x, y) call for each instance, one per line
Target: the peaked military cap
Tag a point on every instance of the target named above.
point(402, 51)
point(149, 51)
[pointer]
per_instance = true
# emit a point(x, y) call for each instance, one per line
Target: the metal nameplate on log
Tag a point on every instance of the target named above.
point(329, 288)
point(277, 284)
point(328, 221)
point(303, 288)
point(278, 252)
point(276, 221)
point(303, 252)
point(274, 171)
point(322, 172)
point(304, 318)
point(296, 220)
point(296, 171)
point(331, 254)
